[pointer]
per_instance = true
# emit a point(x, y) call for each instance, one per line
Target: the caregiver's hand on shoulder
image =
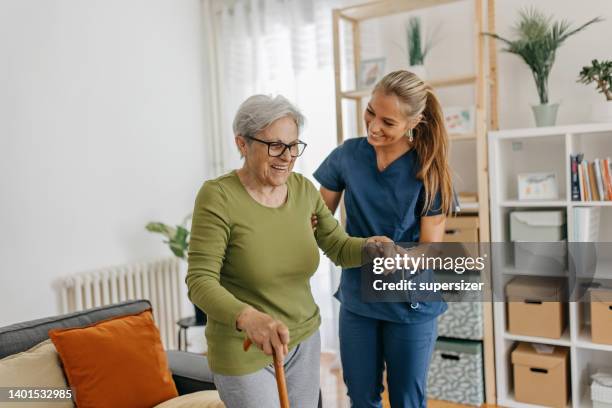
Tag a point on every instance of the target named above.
point(267, 333)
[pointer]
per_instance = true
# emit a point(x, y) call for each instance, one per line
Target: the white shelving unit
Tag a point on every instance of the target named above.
point(543, 150)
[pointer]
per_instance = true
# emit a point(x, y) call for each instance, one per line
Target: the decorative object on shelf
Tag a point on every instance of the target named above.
point(459, 119)
point(371, 70)
point(418, 47)
point(178, 242)
point(538, 39)
point(537, 186)
point(599, 73)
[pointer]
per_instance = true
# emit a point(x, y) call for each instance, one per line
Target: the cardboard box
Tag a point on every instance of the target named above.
point(601, 316)
point(541, 377)
point(535, 306)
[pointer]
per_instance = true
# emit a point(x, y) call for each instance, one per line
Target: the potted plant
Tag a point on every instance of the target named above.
point(178, 242)
point(418, 47)
point(537, 39)
point(599, 73)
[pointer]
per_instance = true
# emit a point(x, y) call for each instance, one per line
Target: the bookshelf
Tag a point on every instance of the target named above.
point(480, 81)
point(542, 150)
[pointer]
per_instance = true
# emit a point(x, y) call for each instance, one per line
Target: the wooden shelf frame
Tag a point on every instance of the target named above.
point(484, 81)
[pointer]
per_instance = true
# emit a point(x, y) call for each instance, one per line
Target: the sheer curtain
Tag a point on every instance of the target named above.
point(277, 47)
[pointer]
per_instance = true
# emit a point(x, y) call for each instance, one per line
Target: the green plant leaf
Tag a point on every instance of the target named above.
point(537, 41)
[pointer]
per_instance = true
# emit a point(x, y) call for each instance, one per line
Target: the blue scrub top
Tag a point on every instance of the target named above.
point(389, 203)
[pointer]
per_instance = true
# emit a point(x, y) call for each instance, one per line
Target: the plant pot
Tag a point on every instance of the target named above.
point(545, 114)
point(418, 70)
point(601, 112)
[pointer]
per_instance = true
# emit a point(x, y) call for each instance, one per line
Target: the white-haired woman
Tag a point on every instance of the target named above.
point(252, 252)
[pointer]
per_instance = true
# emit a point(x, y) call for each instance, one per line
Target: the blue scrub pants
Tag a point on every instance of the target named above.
point(368, 344)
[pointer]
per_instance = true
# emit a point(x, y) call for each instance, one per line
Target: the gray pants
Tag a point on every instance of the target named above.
point(258, 390)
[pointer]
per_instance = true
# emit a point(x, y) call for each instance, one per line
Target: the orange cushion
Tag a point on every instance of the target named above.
point(116, 363)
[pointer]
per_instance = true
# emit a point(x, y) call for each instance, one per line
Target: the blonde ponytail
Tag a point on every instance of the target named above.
point(430, 136)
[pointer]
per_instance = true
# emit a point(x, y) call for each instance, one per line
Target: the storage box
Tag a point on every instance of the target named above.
point(461, 229)
point(541, 374)
point(534, 306)
point(601, 396)
point(601, 316)
point(462, 320)
point(455, 372)
point(601, 389)
point(537, 226)
point(541, 258)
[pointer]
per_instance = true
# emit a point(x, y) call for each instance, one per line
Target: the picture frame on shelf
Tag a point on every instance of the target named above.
point(370, 72)
point(538, 186)
point(459, 119)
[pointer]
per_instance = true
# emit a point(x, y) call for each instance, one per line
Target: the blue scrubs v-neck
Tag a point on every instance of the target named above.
point(387, 202)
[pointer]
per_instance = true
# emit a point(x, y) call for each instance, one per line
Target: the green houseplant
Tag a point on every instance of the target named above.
point(177, 239)
point(537, 39)
point(599, 73)
point(418, 46)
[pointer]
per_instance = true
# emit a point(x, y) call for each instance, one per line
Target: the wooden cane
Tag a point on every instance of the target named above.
point(279, 373)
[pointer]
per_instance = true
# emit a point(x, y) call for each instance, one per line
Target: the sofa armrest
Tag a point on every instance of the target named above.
point(190, 372)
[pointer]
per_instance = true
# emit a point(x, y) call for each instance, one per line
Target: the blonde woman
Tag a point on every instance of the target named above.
point(396, 183)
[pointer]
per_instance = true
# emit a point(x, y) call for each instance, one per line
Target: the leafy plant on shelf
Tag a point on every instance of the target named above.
point(537, 39)
point(418, 48)
point(599, 73)
point(177, 237)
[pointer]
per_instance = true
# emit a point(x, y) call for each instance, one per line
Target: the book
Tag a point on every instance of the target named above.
point(593, 193)
point(587, 181)
point(598, 179)
point(606, 169)
point(574, 177)
point(581, 182)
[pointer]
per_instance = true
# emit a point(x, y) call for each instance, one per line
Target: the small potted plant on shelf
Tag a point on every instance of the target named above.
point(418, 47)
point(537, 39)
point(178, 242)
point(599, 73)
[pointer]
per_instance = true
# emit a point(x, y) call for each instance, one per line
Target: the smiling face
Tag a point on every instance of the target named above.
point(267, 170)
point(385, 120)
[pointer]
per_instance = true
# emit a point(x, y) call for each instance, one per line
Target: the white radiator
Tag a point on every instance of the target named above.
point(160, 281)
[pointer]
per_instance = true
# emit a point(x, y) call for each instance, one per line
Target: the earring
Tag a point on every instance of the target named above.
point(410, 137)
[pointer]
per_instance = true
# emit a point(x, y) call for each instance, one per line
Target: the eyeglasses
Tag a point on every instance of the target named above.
point(277, 149)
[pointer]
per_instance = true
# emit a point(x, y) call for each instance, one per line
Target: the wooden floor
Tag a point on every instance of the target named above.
point(334, 390)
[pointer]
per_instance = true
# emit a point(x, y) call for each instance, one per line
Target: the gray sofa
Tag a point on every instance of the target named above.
point(190, 371)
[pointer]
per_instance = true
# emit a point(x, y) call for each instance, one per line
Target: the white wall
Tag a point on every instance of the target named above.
point(453, 55)
point(102, 123)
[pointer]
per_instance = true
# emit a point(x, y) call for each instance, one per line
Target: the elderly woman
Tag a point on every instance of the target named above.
point(252, 252)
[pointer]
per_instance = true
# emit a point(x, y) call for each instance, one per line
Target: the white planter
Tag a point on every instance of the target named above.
point(418, 70)
point(601, 112)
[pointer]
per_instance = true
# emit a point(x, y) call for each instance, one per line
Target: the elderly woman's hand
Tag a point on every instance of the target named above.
point(269, 334)
point(381, 246)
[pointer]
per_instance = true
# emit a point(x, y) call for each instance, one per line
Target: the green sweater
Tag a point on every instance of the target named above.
point(244, 253)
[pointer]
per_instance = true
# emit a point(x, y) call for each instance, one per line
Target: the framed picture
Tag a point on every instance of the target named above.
point(459, 119)
point(537, 186)
point(370, 71)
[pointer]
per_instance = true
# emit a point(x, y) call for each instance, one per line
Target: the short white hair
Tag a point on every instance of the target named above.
point(259, 111)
